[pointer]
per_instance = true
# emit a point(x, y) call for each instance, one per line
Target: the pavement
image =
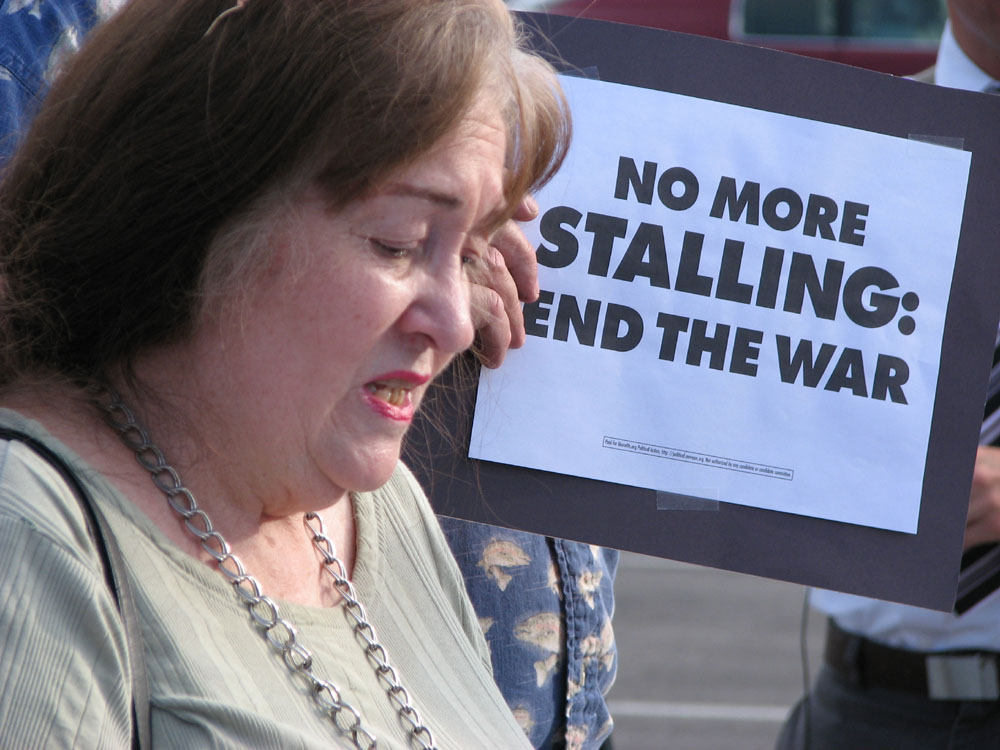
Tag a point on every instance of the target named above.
point(708, 659)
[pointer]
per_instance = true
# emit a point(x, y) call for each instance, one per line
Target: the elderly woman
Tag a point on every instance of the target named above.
point(236, 246)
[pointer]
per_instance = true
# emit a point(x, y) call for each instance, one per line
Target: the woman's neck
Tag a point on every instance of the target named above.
point(275, 548)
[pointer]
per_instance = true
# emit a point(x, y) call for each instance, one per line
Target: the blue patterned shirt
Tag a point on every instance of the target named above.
point(545, 606)
point(36, 37)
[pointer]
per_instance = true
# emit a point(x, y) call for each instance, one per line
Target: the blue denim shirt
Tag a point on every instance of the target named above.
point(545, 606)
point(36, 36)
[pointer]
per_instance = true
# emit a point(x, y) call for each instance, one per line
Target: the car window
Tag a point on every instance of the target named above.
point(918, 20)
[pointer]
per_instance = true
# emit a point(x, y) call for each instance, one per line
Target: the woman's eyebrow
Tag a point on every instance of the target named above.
point(434, 196)
point(487, 226)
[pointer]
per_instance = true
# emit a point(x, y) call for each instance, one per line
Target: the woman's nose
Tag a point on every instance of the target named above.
point(441, 311)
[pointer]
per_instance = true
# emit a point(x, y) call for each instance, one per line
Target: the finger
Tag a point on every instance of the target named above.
point(979, 533)
point(527, 209)
point(981, 528)
point(983, 520)
point(519, 257)
point(503, 282)
point(493, 330)
point(978, 509)
point(985, 480)
point(975, 523)
point(505, 311)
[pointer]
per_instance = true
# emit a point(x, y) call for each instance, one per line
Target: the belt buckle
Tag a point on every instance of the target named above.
point(962, 677)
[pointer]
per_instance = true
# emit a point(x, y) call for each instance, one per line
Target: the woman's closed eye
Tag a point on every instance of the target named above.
point(471, 257)
point(394, 249)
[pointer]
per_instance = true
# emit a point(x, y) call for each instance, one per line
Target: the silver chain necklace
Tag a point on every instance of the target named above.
point(264, 613)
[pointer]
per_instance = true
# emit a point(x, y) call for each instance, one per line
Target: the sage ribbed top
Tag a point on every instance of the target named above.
point(214, 681)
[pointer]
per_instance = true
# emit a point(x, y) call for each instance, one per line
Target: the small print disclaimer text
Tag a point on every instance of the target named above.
point(702, 459)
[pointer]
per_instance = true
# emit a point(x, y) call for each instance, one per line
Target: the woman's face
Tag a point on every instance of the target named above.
point(324, 367)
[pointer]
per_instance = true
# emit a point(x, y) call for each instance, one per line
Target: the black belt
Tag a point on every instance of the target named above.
point(947, 675)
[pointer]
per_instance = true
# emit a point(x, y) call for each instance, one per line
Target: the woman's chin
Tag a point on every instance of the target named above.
point(364, 486)
point(374, 472)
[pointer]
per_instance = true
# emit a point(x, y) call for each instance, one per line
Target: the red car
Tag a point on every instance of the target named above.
point(892, 36)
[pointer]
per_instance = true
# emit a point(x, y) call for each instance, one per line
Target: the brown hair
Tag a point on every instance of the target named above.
point(157, 135)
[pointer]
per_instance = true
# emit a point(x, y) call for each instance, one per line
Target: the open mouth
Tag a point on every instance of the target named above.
point(394, 393)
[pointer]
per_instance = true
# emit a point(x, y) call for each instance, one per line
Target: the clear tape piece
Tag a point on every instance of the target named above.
point(590, 72)
point(705, 499)
point(948, 141)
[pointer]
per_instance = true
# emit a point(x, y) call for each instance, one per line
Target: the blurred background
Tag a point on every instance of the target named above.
point(890, 36)
point(707, 659)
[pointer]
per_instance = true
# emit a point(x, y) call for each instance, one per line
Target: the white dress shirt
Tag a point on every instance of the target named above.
point(899, 624)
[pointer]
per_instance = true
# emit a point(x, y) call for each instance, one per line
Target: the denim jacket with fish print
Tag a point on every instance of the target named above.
point(36, 37)
point(545, 606)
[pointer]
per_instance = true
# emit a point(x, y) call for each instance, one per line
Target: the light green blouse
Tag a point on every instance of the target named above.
point(214, 681)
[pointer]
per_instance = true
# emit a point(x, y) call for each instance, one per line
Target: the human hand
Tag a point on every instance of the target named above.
point(983, 522)
point(509, 278)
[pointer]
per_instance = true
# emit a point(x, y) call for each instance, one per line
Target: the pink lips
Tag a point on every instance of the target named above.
point(390, 394)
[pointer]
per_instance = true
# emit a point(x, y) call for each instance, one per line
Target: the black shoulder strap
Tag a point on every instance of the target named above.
point(114, 574)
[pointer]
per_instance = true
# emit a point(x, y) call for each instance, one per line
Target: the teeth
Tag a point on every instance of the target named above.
point(394, 396)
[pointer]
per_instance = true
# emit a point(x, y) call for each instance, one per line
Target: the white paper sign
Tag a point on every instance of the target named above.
point(737, 305)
